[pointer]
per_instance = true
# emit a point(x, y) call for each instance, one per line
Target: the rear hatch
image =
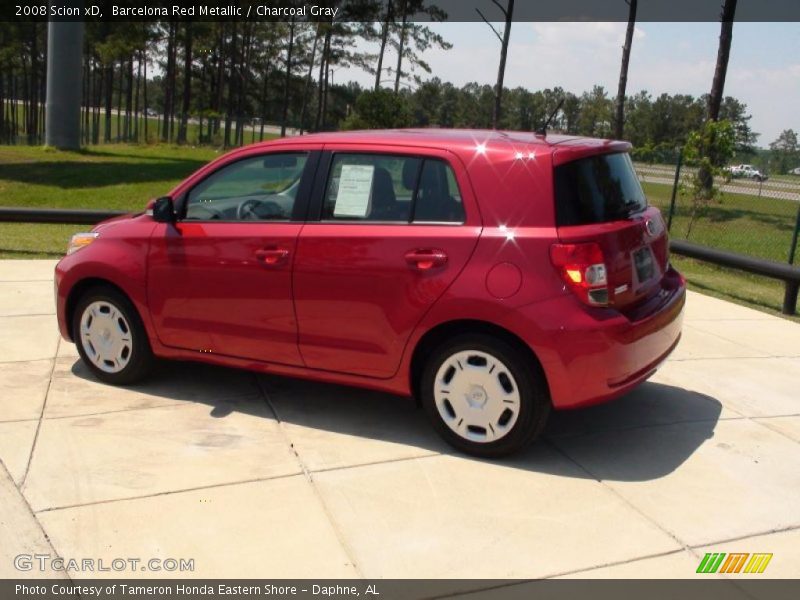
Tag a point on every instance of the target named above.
point(600, 205)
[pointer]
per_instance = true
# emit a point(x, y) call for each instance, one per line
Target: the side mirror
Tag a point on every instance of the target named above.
point(164, 210)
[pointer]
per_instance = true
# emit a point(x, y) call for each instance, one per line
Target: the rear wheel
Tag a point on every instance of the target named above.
point(484, 396)
point(110, 337)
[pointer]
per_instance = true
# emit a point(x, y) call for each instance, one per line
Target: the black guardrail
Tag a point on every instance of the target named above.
point(55, 215)
point(789, 274)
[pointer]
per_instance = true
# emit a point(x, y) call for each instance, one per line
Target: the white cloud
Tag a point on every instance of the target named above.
point(772, 97)
point(666, 58)
point(566, 55)
point(671, 76)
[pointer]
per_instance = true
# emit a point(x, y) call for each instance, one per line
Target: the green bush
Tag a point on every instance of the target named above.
point(379, 109)
point(708, 150)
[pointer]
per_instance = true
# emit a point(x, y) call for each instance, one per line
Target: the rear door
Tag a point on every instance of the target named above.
point(599, 199)
point(388, 232)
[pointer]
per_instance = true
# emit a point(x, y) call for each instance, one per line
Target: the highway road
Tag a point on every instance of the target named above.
point(768, 189)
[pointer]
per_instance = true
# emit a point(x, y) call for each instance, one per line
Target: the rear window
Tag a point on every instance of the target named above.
point(597, 189)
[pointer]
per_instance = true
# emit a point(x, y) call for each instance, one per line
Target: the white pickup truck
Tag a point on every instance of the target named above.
point(748, 171)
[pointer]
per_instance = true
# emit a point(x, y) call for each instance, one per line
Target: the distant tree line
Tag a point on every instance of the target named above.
point(221, 83)
point(22, 81)
point(219, 75)
point(783, 154)
point(657, 126)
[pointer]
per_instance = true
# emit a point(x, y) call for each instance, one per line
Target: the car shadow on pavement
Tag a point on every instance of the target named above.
point(644, 435)
point(172, 382)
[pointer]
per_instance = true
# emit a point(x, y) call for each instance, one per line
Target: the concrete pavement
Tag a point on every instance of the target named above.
point(268, 477)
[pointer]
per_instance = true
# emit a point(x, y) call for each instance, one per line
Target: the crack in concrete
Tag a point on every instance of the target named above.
point(34, 517)
point(170, 492)
point(627, 502)
point(39, 423)
point(310, 479)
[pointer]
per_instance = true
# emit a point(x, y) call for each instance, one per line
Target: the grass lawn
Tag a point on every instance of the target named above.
point(101, 177)
point(125, 177)
point(761, 293)
point(112, 177)
point(740, 223)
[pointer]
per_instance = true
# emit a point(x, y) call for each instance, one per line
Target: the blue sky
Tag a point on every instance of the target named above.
point(764, 68)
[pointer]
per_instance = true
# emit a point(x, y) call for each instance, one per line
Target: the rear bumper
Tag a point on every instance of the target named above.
point(594, 355)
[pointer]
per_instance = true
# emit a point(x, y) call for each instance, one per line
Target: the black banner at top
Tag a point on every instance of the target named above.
point(375, 10)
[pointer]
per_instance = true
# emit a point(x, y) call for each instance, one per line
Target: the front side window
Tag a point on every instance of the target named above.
point(378, 187)
point(261, 188)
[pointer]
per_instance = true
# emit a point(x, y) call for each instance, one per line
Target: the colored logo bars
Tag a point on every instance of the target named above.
point(735, 562)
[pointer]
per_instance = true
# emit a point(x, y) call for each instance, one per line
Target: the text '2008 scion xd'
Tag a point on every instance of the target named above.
point(493, 275)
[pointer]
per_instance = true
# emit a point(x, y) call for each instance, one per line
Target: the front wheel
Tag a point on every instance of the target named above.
point(484, 396)
point(110, 337)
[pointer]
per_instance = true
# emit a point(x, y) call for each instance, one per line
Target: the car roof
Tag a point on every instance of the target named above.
point(459, 140)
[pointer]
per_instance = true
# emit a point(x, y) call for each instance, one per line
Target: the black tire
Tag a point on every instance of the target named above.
point(140, 360)
point(534, 405)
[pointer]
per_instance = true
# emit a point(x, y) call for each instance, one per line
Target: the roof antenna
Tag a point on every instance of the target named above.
point(543, 129)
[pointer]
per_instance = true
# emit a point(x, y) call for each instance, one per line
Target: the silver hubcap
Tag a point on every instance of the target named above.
point(476, 396)
point(106, 336)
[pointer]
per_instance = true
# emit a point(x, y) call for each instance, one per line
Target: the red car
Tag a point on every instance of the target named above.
point(493, 275)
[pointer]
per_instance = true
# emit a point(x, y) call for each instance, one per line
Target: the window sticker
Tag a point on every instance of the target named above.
point(355, 190)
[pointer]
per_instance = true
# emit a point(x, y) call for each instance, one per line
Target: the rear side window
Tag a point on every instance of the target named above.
point(438, 199)
point(390, 188)
point(597, 189)
point(370, 187)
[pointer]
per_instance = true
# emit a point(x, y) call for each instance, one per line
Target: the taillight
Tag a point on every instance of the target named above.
point(583, 269)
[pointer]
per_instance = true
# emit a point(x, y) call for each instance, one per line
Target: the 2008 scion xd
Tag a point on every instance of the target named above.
point(493, 275)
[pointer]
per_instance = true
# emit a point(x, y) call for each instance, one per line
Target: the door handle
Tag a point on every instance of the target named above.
point(272, 257)
point(426, 259)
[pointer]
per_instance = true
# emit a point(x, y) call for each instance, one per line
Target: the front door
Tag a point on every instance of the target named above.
point(220, 279)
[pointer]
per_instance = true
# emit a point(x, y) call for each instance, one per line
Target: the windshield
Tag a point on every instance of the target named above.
point(597, 189)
